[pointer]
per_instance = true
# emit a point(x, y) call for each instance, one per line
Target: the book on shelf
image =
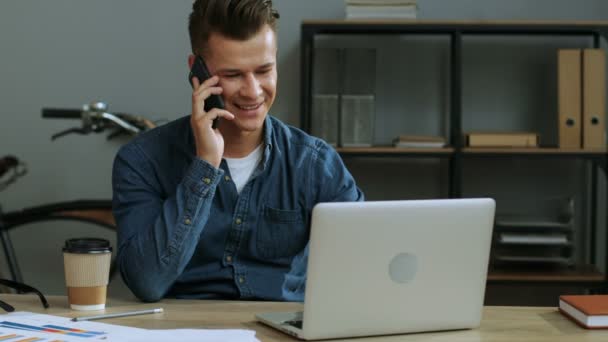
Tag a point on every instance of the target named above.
point(384, 12)
point(368, 9)
point(380, 2)
point(594, 99)
point(588, 311)
point(324, 117)
point(502, 139)
point(419, 141)
point(569, 102)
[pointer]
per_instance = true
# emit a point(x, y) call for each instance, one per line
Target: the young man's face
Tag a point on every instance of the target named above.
point(248, 75)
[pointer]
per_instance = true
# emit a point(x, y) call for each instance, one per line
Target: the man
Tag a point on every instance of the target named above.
point(222, 213)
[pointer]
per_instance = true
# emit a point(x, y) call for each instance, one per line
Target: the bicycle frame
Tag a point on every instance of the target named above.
point(94, 118)
point(98, 212)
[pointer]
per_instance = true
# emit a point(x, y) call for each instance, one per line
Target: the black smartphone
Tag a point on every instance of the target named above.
point(199, 69)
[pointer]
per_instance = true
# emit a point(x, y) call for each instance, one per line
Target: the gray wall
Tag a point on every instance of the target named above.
point(132, 54)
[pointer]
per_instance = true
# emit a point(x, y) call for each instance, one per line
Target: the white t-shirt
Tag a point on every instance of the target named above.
point(242, 168)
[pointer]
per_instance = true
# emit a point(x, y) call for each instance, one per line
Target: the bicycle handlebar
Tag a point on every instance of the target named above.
point(96, 118)
point(52, 113)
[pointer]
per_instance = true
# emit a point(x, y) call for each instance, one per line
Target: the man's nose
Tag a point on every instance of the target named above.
point(252, 87)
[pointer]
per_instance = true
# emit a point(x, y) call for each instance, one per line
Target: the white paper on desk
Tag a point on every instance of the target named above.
point(197, 335)
point(94, 331)
point(62, 329)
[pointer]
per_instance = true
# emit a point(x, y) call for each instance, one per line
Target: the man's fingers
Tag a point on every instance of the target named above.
point(204, 86)
point(195, 83)
point(221, 113)
point(214, 114)
point(206, 92)
point(200, 95)
point(208, 83)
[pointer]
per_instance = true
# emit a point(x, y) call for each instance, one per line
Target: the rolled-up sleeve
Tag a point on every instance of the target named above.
point(158, 234)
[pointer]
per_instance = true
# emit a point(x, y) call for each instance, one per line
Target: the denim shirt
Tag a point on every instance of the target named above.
point(185, 232)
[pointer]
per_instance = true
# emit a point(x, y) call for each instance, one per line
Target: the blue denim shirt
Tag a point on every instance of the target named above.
point(185, 232)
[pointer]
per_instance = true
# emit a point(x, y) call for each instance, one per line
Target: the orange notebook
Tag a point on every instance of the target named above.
point(588, 311)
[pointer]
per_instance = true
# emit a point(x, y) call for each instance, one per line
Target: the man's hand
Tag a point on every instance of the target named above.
point(209, 141)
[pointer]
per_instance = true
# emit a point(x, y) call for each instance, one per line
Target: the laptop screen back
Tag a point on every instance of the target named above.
point(397, 266)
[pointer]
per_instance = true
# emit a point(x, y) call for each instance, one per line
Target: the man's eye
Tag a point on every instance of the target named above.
point(231, 75)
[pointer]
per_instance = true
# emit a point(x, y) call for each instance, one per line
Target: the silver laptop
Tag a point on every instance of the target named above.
point(391, 267)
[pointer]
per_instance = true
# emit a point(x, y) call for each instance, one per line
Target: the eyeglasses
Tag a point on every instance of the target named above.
point(21, 288)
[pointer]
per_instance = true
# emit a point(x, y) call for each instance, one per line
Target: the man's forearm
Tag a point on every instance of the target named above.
point(157, 238)
point(151, 262)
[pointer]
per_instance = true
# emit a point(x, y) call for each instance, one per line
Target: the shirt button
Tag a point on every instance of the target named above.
point(187, 221)
point(227, 178)
point(241, 280)
point(238, 221)
point(229, 259)
point(206, 180)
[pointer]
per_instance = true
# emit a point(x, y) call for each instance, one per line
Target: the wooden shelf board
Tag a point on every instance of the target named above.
point(393, 150)
point(467, 150)
point(531, 150)
point(582, 273)
point(372, 22)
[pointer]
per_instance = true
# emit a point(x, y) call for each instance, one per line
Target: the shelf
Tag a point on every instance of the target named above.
point(372, 22)
point(585, 273)
point(533, 151)
point(394, 150)
point(396, 26)
point(476, 151)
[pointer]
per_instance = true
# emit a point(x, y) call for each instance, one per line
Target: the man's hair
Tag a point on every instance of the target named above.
point(235, 19)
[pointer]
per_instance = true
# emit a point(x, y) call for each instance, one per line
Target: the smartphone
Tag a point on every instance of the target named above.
point(199, 69)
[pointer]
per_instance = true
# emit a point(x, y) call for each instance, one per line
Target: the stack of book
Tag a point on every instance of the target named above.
point(381, 9)
point(502, 139)
point(419, 141)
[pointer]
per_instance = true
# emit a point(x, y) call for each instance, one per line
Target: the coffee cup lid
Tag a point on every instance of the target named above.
point(87, 246)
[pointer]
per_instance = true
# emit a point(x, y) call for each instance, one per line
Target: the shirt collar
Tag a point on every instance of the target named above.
point(268, 141)
point(269, 144)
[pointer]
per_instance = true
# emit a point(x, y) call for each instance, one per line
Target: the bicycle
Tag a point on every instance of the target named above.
point(95, 118)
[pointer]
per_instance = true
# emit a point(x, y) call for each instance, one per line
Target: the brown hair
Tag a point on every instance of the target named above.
point(235, 19)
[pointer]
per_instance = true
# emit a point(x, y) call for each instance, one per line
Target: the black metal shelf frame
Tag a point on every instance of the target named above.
point(456, 31)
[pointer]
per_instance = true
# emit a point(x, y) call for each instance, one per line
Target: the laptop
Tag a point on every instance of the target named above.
point(392, 267)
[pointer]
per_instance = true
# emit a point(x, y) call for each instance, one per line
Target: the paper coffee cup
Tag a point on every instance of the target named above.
point(86, 264)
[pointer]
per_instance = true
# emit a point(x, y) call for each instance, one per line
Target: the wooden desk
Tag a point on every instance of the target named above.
point(504, 324)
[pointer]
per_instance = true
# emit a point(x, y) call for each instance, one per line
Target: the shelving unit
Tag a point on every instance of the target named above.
point(580, 275)
point(445, 151)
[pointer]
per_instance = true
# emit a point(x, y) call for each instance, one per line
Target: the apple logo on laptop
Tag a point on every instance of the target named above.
point(403, 268)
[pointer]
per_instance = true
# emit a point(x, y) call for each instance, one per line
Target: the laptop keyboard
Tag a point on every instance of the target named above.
point(294, 323)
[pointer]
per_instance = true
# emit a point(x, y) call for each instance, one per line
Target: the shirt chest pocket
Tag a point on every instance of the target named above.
point(280, 233)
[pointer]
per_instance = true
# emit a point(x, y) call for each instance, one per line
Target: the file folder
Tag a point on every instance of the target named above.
point(594, 99)
point(569, 98)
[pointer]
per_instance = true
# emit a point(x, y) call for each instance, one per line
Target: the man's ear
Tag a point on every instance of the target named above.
point(191, 59)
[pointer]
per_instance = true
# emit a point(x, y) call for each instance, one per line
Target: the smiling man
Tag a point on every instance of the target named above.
point(224, 212)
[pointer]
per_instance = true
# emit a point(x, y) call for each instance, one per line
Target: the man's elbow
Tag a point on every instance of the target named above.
point(147, 294)
point(294, 288)
point(142, 286)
